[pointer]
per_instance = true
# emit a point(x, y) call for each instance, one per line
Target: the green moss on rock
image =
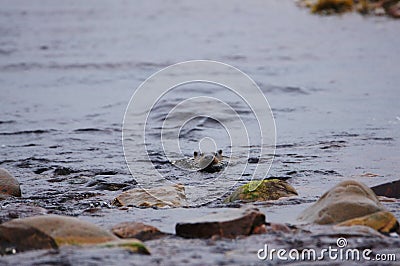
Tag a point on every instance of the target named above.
point(263, 190)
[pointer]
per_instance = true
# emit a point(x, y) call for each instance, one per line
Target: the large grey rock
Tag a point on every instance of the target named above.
point(52, 231)
point(229, 224)
point(346, 200)
point(165, 196)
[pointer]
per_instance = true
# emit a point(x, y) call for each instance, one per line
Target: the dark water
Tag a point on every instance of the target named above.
point(68, 70)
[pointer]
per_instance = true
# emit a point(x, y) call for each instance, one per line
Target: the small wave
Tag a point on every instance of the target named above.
point(285, 89)
point(24, 132)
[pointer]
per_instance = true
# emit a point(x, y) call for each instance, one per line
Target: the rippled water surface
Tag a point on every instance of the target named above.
point(68, 70)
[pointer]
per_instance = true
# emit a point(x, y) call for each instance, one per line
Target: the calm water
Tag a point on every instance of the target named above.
point(68, 70)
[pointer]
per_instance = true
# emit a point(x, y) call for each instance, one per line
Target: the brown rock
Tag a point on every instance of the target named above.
point(17, 237)
point(392, 8)
point(384, 222)
point(136, 230)
point(165, 196)
point(9, 185)
point(347, 200)
point(229, 224)
point(390, 190)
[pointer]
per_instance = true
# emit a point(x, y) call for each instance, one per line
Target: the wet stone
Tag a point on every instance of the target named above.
point(228, 224)
point(164, 196)
point(390, 190)
point(9, 185)
point(65, 230)
point(383, 221)
point(271, 189)
point(137, 230)
point(347, 200)
point(19, 237)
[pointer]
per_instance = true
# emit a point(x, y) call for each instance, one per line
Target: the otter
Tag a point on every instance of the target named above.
point(206, 162)
point(209, 162)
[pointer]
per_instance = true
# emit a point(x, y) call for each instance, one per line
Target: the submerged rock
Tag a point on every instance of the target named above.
point(136, 230)
point(18, 237)
point(383, 221)
point(52, 231)
point(229, 224)
point(165, 196)
point(9, 185)
point(347, 200)
point(272, 189)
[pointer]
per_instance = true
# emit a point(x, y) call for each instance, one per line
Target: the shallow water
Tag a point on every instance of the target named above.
point(68, 70)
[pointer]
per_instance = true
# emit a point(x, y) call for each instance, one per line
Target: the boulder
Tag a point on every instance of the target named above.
point(383, 221)
point(9, 185)
point(137, 230)
point(165, 196)
point(229, 224)
point(347, 200)
point(52, 231)
point(271, 189)
point(66, 230)
point(18, 237)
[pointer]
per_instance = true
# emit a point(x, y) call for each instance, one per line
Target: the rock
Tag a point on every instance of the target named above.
point(271, 189)
point(383, 221)
point(136, 230)
point(347, 200)
point(9, 185)
point(229, 224)
point(332, 6)
point(66, 230)
point(19, 237)
point(166, 196)
point(390, 190)
point(52, 231)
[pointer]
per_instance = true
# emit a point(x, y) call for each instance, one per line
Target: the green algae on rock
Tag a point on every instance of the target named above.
point(270, 189)
point(133, 245)
point(164, 196)
point(347, 200)
point(9, 185)
point(384, 222)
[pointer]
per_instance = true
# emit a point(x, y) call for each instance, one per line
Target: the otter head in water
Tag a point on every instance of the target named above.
point(209, 162)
